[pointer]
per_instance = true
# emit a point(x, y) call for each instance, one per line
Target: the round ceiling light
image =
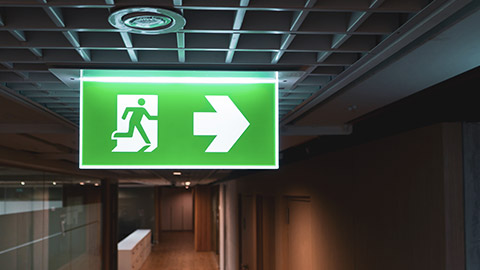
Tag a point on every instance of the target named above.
point(147, 20)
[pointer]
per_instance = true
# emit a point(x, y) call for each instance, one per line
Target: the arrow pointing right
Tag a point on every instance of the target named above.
point(227, 123)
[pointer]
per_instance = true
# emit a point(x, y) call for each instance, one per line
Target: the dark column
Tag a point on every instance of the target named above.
point(157, 209)
point(109, 224)
point(471, 156)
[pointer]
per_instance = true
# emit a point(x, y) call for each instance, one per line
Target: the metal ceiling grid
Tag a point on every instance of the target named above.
point(317, 40)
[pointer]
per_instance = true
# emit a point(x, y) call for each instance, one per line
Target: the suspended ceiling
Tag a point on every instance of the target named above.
point(331, 54)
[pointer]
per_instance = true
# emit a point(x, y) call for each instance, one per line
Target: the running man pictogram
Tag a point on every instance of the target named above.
point(135, 121)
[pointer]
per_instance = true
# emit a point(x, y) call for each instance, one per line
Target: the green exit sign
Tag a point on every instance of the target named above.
point(132, 119)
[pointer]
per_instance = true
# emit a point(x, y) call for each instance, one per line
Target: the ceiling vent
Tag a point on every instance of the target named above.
point(147, 20)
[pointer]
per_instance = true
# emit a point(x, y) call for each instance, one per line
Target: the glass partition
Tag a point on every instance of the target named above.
point(49, 222)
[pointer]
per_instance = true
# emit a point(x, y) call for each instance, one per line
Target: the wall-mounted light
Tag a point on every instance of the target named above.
point(188, 183)
point(54, 183)
point(82, 183)
point(22, 183)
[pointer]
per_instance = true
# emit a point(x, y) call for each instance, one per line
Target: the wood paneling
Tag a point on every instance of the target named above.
point(268, 233)
point(176, 209)
point(393, 203)
point(299, 234)
point(203, 218)
point(248, 233)
point(453, 194)
point(158, 214)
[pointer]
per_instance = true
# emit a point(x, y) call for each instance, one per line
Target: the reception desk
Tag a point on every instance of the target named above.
point(134, 250)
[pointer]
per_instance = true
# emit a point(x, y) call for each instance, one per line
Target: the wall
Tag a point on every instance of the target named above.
point(38, 234)
point(391, 204)
point(471, 152)
point(136, 210)
point(176, 209)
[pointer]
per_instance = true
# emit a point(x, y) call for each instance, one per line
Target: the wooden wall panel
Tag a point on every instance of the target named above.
point(393, 203)
point(203, 218)
point(187, 203)
point(176, 209)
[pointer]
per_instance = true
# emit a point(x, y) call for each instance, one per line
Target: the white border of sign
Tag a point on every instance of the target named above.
point(194, 80)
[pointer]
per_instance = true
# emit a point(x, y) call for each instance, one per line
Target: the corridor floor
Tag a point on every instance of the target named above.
point(176, 252)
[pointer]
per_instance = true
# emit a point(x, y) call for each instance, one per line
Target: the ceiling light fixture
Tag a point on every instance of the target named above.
point(147, 20)
point(177, 173)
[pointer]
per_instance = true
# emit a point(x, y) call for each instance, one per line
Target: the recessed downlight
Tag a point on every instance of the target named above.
point(147, 20)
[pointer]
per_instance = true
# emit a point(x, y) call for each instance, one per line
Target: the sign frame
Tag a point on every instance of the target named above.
point(201, 77)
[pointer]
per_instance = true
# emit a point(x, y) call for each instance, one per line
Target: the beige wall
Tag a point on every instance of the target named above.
point(394, 203)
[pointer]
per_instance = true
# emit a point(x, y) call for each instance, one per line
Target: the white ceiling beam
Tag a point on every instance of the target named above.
point(321, 56)
point(297, 21)
point(40, 95)
point(24, 75)
point(73, 38)
point(178, 3)
point(55, 15)
point(133, 55)
point(376, 3)
point(237, 25)
point(181, 55)
point(7, 64)
point(85, 54)
point(356, 20)
point(238, 21)
point(18, 34)
point(36, 52)
point(233, 45)
point(338, 40)
point(181, 40)
point(127, 40)
point(229, 57)
point(36, 84)
point(286, 41)
point(55, 100)
point(181, 47)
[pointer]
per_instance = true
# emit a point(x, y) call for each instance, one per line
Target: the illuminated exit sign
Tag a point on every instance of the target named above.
point(178, 120)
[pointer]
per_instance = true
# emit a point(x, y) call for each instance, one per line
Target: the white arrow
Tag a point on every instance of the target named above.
point(227, 123)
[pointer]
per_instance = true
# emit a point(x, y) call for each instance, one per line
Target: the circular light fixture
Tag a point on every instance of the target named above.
point(147, 20)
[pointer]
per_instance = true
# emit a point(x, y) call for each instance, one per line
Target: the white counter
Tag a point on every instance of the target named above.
point(134, 250)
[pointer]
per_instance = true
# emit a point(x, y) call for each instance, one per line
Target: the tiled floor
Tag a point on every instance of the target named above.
point(176, 252)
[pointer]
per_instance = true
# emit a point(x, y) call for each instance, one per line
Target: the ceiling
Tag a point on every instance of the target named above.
point(339, 60)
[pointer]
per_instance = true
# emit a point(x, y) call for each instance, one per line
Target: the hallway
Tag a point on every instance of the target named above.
point(176, 251)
